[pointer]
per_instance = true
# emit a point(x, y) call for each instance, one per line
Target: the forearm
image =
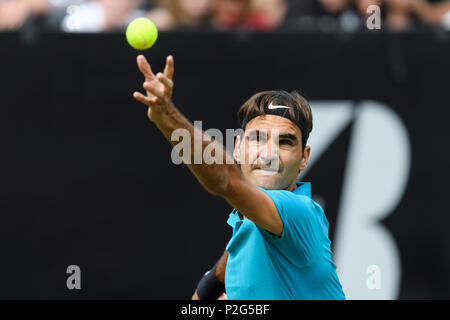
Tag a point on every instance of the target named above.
point(221, 266)
point(214, 177)
point(222, 177)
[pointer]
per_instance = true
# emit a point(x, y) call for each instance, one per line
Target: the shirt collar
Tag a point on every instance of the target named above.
point(303, 188)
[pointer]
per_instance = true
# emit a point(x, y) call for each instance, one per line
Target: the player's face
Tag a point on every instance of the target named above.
point(270, 152)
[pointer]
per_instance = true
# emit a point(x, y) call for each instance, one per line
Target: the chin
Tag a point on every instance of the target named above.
point(269, 182)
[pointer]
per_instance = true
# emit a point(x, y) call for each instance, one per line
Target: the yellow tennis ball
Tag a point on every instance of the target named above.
point(141, 33)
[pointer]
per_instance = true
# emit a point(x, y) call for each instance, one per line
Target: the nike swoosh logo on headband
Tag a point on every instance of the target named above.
point(271, 107)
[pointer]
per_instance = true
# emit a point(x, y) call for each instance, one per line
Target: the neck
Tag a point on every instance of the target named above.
point(293, 186)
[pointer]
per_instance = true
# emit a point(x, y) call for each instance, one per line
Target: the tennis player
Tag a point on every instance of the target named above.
point(280, 247)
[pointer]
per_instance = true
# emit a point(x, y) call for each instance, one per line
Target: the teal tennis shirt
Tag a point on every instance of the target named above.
point(296, 265)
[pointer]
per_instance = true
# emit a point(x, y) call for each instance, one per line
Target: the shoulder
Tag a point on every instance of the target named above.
point(304, 225)
point(290, 201)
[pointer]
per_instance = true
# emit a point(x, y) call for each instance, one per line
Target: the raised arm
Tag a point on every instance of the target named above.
point(223, 178)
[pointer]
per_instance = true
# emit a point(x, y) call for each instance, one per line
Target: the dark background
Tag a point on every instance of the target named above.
point(86, 179)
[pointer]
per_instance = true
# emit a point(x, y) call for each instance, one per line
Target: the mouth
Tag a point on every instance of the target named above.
point(267, 169)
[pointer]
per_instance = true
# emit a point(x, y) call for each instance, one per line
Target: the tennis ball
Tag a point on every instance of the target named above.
point(141, 33)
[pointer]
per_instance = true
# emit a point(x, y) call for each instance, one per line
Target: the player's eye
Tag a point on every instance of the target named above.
point(286, 142)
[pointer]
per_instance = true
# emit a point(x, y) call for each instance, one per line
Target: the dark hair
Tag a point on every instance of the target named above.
point(294, 100)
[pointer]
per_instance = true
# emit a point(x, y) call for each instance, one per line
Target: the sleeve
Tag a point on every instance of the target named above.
point(301, 229)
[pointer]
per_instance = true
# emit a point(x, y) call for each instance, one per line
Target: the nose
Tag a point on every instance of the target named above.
point(269, 151)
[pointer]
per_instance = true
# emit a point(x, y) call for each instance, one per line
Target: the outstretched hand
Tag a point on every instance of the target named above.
point(158, 87)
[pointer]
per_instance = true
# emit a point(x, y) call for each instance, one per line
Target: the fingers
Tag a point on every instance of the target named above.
point(151, 88)
point(195, 296)
point(168, 83)
point(145, 68)
point(169, 68)
point(144, 99)
point(159, 88)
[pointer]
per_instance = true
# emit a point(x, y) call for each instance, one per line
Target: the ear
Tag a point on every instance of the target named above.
point(305, 159)
point(237, 151)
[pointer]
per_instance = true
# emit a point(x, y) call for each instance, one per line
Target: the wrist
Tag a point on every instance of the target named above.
point(162, 115)
point(210, 287)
